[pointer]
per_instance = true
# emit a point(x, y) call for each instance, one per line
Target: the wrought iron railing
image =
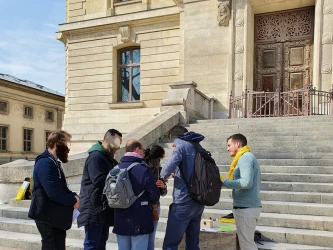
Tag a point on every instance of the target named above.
point(300, 102)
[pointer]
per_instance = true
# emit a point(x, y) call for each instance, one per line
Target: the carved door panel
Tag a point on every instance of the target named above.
point(296, 65)
point(269, 67)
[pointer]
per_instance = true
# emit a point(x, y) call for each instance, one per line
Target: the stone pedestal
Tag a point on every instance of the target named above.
point(215, 241)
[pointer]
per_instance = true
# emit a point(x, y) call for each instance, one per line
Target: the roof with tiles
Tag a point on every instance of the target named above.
point(29, 84)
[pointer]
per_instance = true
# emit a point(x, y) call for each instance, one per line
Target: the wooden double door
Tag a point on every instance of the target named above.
point(283, 43)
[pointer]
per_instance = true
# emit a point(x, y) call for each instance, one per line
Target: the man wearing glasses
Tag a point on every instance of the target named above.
point(134, 224)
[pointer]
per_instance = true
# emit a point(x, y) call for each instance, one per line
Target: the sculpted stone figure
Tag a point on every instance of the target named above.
point(223, 16)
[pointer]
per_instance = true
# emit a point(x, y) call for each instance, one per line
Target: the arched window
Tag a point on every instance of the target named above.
point(129, 74)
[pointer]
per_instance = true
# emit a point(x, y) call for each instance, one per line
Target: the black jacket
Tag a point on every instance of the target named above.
point(94, 209)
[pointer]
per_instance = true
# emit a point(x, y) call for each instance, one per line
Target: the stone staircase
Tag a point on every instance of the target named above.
point(296, 158)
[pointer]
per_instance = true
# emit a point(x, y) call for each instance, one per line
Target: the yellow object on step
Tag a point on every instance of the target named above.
point(21, 192)
point(227, 220)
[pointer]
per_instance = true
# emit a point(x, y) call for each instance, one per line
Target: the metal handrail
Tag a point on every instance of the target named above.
point(299, 102)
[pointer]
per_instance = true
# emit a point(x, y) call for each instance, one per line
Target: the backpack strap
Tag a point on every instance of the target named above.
point(197, 149)
point(132, 166)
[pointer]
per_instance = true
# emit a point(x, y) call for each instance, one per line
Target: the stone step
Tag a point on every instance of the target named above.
point(267, 154)
point(297, 236)
point(289, 186)
point(270, 138)
point(274, 120)
point(28, 229)
point(33, 241)
point(271, 127)
point(292, 177)
point(274, 207)
point(305, 197)
point(222, 148)
point(27, 233)
point(266, 245)
point(308, 222)
point(288, 169)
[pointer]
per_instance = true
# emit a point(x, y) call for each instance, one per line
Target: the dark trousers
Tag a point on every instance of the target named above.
point(183, 218)
point(52, 238)
point(95, 237)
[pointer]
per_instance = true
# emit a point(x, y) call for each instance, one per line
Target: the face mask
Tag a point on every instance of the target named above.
point(62, 153)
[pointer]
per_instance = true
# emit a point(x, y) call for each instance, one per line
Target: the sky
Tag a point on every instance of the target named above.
point(29, 49)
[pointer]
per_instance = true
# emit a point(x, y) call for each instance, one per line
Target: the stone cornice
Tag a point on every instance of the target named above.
point(138, 18)
point(25, 89)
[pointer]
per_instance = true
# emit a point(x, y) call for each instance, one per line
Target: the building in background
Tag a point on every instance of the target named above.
point(28, 113)
point(127, 61)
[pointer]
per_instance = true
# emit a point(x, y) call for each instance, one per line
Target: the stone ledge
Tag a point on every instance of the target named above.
point(126, 105)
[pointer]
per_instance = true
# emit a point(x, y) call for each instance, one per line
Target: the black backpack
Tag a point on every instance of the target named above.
point(205, 183)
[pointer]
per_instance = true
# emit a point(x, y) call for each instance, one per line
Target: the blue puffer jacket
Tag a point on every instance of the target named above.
point(137, 219)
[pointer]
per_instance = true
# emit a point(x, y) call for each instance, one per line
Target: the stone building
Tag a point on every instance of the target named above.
point(28, 113)
point(126, 61)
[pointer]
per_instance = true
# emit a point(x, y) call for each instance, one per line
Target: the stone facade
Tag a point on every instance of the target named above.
point(47, 109)
point(208, 42)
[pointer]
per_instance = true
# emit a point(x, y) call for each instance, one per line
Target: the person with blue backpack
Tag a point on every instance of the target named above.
point(133, 225)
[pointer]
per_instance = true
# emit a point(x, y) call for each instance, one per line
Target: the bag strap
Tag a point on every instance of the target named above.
point(132, 166)
point(197, 149)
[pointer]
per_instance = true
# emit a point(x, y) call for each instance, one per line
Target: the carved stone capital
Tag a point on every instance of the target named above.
point(327, 38)
point(125, 33)
point(326, 69)
point(239, 48)
point(223, 15)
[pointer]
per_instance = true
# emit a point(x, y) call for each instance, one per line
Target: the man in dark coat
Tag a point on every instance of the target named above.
point(95, 214)
point(134, 224)
point(49, 176)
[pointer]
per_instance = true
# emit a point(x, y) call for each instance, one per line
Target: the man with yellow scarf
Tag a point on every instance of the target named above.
point(244, 180)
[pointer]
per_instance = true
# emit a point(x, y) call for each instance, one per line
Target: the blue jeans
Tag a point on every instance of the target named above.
point(95, 237)
point(137, 242)
point(183, 217)
point(151, 241)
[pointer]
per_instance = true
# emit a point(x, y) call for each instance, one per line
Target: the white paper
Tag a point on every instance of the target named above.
point(214, 230)
point(75, 214)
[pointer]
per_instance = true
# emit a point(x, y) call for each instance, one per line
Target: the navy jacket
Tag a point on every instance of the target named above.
point(137, 219)
point(94, 209)
point(49, 176)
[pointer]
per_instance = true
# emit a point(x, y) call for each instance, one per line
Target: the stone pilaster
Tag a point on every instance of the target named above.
point(327, 40)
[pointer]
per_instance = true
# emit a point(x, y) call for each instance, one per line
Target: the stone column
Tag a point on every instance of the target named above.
point(327, 40)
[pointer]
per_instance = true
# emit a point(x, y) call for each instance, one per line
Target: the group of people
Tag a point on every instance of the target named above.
point(135, 227)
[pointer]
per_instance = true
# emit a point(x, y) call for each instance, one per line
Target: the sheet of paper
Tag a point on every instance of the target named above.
point(214, 230)
point(75, 214)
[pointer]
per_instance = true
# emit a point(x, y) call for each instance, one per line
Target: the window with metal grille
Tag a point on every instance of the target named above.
point(3, 107)
point(3, 138)
point(49, 116)
point(28, 112)
point(129, 74)
point(27, 140)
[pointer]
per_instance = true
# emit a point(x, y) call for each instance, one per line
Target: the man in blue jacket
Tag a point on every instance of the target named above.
point(134, 224)
point(184, 212)
point(49, 176)
point(95, 214)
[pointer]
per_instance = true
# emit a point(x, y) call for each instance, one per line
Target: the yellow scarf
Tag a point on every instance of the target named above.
point(240, 152)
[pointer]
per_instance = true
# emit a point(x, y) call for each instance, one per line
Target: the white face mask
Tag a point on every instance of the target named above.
point(116, 143)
